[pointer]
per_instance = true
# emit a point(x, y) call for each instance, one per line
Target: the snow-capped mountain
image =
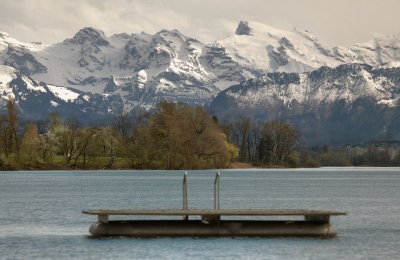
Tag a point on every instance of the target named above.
point(353, 101)
point(110, 74)
point(36, 100)
point(265, 48)
point(140, 69)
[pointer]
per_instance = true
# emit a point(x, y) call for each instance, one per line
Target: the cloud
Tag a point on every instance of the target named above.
point(333, 22)
point(53, 21)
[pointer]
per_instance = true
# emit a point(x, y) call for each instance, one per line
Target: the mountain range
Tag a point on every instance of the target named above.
point(259, 71)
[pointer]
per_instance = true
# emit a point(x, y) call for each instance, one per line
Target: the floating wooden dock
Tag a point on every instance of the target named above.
point(213, 222)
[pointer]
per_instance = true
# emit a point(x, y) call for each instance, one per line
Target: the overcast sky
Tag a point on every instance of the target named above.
point(333, 22)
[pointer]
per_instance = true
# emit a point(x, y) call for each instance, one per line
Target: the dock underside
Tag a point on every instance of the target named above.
point(222, 228)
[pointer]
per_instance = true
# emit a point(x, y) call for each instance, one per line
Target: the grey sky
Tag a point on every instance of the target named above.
point(333, 22)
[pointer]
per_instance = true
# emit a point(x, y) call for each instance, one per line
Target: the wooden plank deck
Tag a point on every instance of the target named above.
point(214, 212)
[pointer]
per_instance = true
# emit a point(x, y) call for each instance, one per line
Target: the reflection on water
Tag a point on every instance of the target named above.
point(40, 212)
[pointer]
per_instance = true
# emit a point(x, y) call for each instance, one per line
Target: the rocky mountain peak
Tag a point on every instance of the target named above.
point(169, 35)
point(91, 35)
point(243, 28)
point(173, 32)
point(4, 35)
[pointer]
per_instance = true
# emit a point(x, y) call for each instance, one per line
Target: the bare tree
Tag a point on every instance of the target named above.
point(12, 120)
point(47, 147)
point(277, 141)
point(30, 143)
point(107, 144)
point(68, 139)
point(123, 124)
point(188, 137)
point(86, 138)
point(5, 140)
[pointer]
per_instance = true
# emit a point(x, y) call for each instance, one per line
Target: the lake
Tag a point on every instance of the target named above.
point(40, 212)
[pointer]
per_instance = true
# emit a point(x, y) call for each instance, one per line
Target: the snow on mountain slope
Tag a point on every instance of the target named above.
point(125, 55)
point(7, 74)
point(142, 69)
point(6, 40)
point(12, 81)
point(378, 52)
point(260, 46)
point(253, 50)
point(269, 49)
point(116, 65)
point(352, 103)
point(292, 91)
point(63, 93)
point(7, 77)
point(36, 100)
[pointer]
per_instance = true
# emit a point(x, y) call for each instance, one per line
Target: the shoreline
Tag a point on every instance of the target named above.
point(324, 168)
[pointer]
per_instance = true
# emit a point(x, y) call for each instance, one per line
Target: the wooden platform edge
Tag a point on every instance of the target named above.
point(215, 212)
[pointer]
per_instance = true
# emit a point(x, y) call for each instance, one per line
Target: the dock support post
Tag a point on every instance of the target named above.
point(102, 218)
point(216, 191)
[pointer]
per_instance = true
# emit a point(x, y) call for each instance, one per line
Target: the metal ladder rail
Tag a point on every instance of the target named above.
point(185, 195)
point(217, 201)
point(216, 191)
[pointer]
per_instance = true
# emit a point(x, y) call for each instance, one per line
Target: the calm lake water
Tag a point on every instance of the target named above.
point(40, 212)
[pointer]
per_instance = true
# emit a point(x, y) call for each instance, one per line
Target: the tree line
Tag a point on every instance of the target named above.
point(272, 143)
point(172, 136)
point(276, 144)
point(369, 154)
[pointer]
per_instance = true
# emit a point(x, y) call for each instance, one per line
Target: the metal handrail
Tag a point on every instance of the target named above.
point(185, 195)
point(216, 191)
point(185, 191)
point(217, 201)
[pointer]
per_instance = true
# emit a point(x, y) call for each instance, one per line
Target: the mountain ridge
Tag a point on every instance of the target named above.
point(351, 103)
point(111, 74)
